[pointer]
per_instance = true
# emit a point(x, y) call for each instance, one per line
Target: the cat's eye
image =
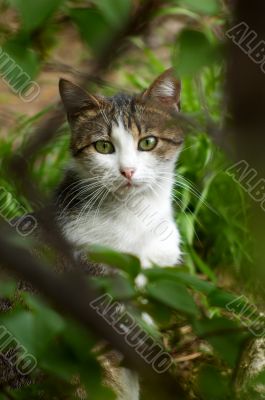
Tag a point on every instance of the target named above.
point(104, 147)
point(148, 143)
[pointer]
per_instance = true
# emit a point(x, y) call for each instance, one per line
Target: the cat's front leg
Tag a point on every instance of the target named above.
point(164, 252)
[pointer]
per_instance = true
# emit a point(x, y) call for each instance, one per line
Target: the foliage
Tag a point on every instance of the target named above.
point(210, 208)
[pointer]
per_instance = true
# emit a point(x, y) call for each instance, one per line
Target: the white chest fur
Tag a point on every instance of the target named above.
point(141, 225)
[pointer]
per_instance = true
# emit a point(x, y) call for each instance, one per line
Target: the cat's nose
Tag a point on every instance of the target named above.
point(127, 172)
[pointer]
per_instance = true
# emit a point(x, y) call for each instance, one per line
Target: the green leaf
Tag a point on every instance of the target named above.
point(174, 295)
point(177, 11)
point(116, 12)
point(210, 7)
point(35, 13)
point(220, 298)
point(79, 340)
point(47, 324)
point(187, 226)
point(91, 379)
point(194, 51)
point(24, 61)
point(126, 262)
point(58, 361)
point(179, 276)
point(202, 266)
point(224, 335)
point(209, 379)
point(35, 330)
point(160, 313)
point(118, 287)
point(93, 27)
point(21, 326)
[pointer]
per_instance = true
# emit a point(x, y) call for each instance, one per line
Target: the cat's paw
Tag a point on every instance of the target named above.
point(166, 256)
point(163, 253)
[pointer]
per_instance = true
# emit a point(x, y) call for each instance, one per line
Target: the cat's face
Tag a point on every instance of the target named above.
point(128, 143)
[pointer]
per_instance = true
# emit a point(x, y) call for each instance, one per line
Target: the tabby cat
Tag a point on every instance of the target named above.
point(117, 191)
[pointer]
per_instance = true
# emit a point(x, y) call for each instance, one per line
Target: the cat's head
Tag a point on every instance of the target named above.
point(126, 142)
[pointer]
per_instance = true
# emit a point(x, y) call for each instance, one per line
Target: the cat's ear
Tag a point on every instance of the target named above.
point(165, 89)
point(75, 99)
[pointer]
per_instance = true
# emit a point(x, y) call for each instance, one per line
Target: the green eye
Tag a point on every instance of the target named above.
point(104, 147)
point(148, 143)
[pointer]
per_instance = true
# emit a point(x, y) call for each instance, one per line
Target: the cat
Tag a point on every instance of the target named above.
point(117, 191)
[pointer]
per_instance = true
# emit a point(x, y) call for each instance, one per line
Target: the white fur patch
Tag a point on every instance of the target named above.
point(125, 146)
point(165, 88)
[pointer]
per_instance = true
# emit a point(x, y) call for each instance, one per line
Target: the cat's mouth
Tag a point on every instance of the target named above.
point(129, 185)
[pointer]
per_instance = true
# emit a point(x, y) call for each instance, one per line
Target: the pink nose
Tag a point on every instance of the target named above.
point(127, 172)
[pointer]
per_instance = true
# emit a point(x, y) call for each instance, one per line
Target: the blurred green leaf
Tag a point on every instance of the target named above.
point(47, 324)
point(91, 379)
point(220, 298)
point(187, 226)
point(177, 11)
point(35, 13)
point(194, 51)
point(160, 313)
point(172, 294)
point(116, 12)
point(78, 340)
point(119, 287)
point(59, 362)
point(126, 262)
point(224, 335)
point(205, 6)
point(24, 61)
point(93, 26)
point(202, 266)
point(21, 325)
point(176, 274)
point(212, 384)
